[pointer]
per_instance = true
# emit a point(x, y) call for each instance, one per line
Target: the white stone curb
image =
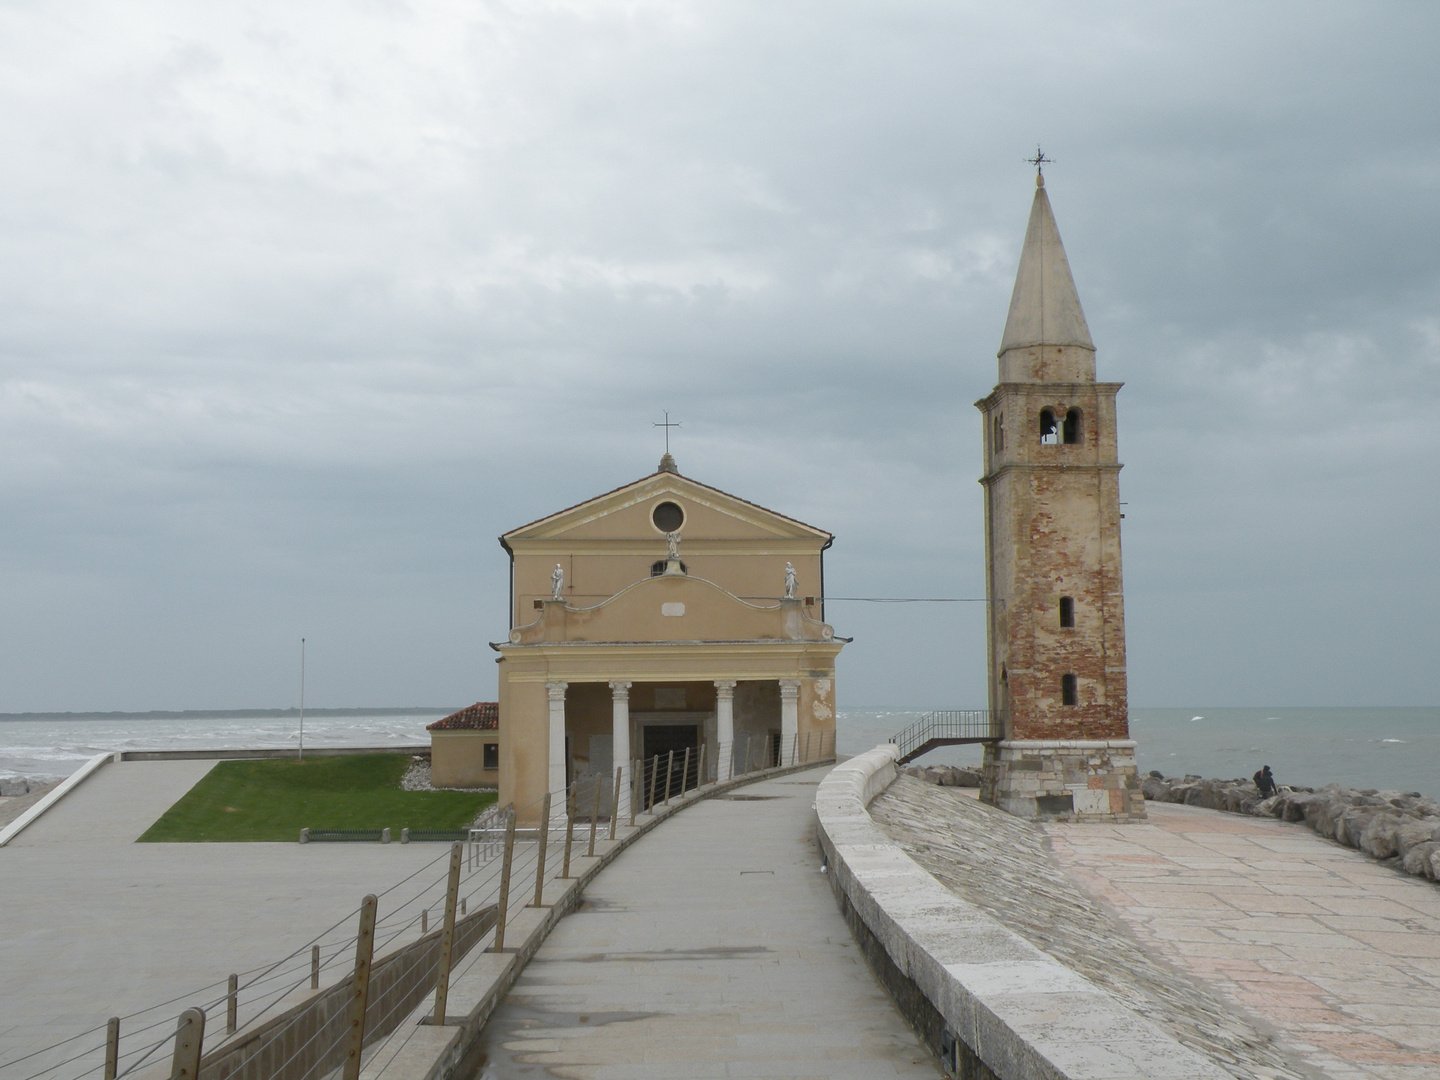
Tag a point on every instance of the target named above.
point(16, 827)
point(1022, 1013)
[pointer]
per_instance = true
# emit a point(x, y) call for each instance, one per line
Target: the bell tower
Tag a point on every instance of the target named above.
point(1056, 631)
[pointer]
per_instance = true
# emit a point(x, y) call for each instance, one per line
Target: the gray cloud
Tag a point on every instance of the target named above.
point(299, 309)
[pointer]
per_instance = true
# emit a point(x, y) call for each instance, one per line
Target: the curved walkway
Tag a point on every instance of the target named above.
point(712, 948)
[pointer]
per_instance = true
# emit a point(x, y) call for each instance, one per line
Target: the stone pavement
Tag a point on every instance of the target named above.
point(1337, 951)
point(712, 948)
point(95, 925)
point(1274, 951)
point(1001, 864)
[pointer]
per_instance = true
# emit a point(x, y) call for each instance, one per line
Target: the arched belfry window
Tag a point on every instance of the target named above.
point(1049, 430)
point(1073, 428)
point(999, 432)
point(1067, 612)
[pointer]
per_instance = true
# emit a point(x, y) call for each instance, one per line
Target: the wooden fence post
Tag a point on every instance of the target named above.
point(685, 772)
point(189, 1041)
point(594, 817)
point(669, 772)
point(232, 1004)
point(314, 967)
point(654, 776)
point(700, 769)
point(540, 855)
point(112, 1047)
point(360, 995)
point(447, 936)
point(499, 945)
point(637, 786)
point(569, 830)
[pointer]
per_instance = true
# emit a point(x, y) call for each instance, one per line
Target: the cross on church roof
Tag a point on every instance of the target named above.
point(667, 425)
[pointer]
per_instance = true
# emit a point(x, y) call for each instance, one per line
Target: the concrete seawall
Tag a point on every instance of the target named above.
point(989, 1002)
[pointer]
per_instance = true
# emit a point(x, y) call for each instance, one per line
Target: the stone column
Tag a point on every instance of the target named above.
point(556, 690)
point(789, 717)
point(724, 728)
point(620, 742)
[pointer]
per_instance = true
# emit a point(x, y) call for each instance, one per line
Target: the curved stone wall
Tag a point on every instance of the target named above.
point(988, 1002)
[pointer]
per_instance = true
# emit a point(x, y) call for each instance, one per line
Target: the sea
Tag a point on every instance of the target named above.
point(1382, 748)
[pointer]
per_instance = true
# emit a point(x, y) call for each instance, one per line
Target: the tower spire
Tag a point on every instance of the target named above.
point(1044, 308)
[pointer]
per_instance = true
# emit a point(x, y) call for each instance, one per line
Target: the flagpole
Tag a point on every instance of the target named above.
point(302, 699)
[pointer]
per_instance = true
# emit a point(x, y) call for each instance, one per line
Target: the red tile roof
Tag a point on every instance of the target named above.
point(482, 716)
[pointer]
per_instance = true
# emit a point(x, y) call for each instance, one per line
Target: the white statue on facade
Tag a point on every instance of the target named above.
point(790, 581)
point(557, 582)
point(672, 546)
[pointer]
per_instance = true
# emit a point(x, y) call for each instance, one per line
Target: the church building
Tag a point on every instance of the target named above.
point(663, 615)
point(1056, 630)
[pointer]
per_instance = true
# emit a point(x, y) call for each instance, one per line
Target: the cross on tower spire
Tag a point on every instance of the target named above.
point(1040, 161)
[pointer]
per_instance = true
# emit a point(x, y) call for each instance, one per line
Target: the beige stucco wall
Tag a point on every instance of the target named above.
point(457, 759)
point(604, 548)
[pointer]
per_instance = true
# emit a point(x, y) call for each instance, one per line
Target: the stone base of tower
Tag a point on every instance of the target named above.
point(1064, 779)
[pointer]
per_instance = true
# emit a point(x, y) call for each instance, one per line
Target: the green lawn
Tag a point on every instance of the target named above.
point(275, 799)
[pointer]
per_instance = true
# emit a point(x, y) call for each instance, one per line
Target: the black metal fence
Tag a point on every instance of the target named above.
point(947, 727)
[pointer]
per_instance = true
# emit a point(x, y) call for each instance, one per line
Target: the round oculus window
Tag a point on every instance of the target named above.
point(667, 517)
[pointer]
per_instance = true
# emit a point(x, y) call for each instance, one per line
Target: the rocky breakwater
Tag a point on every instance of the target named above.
point(944, 775)
point(19, 793)
point(1399, 825)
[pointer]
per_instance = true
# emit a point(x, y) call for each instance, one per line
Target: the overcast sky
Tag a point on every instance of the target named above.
point(302, 305)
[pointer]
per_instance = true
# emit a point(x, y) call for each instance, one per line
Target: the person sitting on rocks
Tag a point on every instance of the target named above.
point(1265, 781)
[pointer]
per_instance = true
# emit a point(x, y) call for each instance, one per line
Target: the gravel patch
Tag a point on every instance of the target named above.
point(417, 778)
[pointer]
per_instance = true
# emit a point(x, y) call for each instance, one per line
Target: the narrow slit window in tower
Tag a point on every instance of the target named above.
point(1069, 691)
point(1049, 430)
point(999, 433)
point(1072, 427)
point(1067, 612)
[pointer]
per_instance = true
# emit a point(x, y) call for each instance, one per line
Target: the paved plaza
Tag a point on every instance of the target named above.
point(96, 925)
point(712, 948)
point(1276, 953)
point(1337, 951)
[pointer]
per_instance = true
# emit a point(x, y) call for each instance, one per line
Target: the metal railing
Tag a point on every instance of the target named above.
point(947, 727)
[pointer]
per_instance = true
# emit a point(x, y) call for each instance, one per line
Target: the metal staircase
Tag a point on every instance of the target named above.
point(947, 727)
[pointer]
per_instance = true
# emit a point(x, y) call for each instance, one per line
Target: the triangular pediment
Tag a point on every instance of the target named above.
point(627, 509)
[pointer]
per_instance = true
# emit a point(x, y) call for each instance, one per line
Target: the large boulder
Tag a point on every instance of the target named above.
point(14, 786)
point(1351, 824)
point(1415, 832)
point(1155, 788)
point(945, 775)
point(1380, 837)
point(1417, 859)
point(1323, 812)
